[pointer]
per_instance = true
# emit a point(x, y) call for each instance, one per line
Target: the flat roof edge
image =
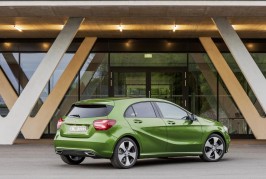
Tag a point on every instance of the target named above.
point(131, 3)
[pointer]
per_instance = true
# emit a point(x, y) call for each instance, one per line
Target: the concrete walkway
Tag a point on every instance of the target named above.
point(36, 159)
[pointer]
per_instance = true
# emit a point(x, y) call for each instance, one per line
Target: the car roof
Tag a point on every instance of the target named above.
point(111, 101)
point(127, 100)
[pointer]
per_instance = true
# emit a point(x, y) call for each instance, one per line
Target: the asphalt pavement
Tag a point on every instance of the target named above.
point(36, 159)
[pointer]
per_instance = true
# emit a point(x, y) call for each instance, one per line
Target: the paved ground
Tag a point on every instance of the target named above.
point(36, 159)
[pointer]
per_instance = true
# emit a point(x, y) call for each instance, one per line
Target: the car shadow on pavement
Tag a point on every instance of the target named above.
point(166, 161)
point(104, 165)
point(144, 162)
point(176, 160)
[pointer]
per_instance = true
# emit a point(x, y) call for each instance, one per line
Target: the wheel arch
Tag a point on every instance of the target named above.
point(220, 134)
point(217, 133)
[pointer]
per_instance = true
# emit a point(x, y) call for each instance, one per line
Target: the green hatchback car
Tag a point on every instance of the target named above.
point(126, 129)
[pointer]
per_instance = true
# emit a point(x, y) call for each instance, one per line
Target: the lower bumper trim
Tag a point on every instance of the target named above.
point(80, 153)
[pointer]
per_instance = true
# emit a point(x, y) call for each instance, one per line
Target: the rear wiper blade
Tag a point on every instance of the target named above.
point(74, 115)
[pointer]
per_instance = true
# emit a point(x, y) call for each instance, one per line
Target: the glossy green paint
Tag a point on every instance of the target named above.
point(154, 136)
point(184, 135)
point(210, 126)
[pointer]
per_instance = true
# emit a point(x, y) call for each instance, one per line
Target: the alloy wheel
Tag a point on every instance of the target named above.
point(127, 153)
point(214, 148)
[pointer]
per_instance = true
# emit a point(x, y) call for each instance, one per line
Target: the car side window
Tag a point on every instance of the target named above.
point(171, 112)
point(130, 112)
point(144, 109)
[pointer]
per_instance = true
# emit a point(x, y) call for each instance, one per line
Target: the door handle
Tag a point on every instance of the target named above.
point(137, 121)
point(171, 122)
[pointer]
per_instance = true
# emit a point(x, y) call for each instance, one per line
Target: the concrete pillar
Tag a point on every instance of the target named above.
point(13, 122)
point(251, 115)
point(247, 65)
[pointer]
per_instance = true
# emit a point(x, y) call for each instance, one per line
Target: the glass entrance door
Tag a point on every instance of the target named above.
point(168, 86)
point(162, 83)
point(129, 84)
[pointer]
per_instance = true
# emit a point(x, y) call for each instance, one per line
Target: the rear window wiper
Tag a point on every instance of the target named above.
point(74, 115)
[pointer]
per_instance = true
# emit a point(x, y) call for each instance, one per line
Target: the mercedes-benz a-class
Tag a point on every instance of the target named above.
point(126, 129)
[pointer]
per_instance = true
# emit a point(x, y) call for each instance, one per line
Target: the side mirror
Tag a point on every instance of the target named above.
point(191, 117)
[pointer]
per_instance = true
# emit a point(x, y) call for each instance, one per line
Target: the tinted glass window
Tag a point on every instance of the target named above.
point(144, 109)
point(130, 112)
point(171, 111)
point(86, 111)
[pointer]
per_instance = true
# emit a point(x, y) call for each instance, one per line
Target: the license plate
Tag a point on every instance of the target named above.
point(78, 128)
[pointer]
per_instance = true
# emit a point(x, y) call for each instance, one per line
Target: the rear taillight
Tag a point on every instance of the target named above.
point(103, 124)
point(59, 123)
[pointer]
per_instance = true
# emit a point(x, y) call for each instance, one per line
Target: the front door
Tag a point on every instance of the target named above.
point(163, 83)
point(184, 135)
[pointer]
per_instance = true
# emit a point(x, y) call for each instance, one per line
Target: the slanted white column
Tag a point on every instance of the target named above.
point(251, 115)
point(247, 65)
point(34, 127)
point(12, 124)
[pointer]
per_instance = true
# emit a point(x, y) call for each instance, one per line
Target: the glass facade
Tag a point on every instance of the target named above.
point(7, 62)
point(91, 82)
point(186, 78)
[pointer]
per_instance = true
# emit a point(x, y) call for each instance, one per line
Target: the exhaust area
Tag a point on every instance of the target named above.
point(90, 154)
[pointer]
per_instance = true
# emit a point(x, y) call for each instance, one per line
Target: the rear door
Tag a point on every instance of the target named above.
point(79, 120)
point(148, 126)
point(183, 134)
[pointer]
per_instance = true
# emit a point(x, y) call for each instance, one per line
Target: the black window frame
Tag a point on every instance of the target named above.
point(127, 110)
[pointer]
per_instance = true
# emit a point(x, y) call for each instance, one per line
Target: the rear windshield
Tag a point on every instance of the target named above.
point(86, 111)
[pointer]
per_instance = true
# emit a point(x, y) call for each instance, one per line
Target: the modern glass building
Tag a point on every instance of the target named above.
point(142, 49)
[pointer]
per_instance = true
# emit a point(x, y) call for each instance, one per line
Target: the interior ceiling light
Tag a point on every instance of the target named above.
point(175, 28)
point(7, 44)
point(120, 28)
point(250, 45)
point(45, 45)
point(19, 29)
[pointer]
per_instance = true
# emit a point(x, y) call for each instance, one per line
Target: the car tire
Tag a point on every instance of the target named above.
point(72, 160)
point(213, 149)
point(125, 154)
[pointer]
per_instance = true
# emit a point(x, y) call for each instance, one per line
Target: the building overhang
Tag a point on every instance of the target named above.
point(247, 3)
point(139, 19)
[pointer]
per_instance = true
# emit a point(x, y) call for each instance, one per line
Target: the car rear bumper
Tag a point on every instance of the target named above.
point(98, 146)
